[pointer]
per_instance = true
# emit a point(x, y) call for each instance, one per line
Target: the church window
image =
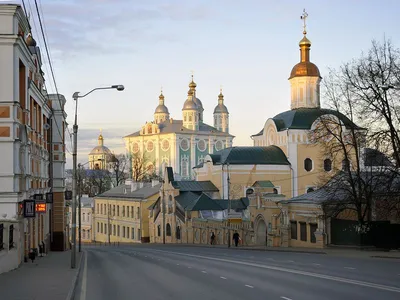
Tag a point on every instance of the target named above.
point(178, 233)
point(168, 230)
point(165, 145)
point(201, 145)
point(185, 145)
point(149, 129)
point(328, 165)
point(275, 191)
point(219, 145)
point(310, 189)
point(345, 165)
point(308, 164)
point(150, 146)
point(158, 230)
point(185, 166)
point(190, 118)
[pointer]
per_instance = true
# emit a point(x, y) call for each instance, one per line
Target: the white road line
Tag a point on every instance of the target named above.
point(291, 261)
point(84, 280)
point(316, 264)
point(349, 268)
point(203, 272)
point(223, 277)
point(286, 298)
point(249, 286)
point(292, 271)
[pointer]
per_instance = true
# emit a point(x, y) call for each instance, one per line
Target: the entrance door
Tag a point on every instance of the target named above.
point(261, 232)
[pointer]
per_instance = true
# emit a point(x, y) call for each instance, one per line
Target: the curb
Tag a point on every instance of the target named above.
point(71, 292)
point(386, 257)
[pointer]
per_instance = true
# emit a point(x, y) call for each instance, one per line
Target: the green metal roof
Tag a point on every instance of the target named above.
point(241, 203)
point(270, 155)
point(264, 184)
point(194, 186)
point(303, 118)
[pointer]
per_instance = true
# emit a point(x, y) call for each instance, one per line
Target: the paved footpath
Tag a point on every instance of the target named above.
point(48, 277)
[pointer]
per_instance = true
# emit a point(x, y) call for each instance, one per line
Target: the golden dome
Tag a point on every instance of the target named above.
point(101, 137)
point(192, 84)
point(305, 42)
point(161, 96)
point(305, 68)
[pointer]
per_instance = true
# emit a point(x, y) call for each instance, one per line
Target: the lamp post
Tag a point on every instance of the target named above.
point(74, 154)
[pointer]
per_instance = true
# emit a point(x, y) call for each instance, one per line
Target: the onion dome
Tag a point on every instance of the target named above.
point(221, 108)
point(189, 103)
point(161, 108)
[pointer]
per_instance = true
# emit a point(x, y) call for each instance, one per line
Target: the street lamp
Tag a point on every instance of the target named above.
point(74, 153)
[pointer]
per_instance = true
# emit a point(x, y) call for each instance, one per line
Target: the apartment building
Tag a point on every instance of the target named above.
point(32, 147)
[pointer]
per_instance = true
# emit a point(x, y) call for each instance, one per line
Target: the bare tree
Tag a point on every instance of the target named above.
point(119, 169)
point(142, 167)
point(371, 81)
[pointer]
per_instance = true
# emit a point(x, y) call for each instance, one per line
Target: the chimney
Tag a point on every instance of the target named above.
point(133, 186)
point(154, 182)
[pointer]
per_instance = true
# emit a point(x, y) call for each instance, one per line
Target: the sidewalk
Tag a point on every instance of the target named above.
point(333, 251)
point(48, 277)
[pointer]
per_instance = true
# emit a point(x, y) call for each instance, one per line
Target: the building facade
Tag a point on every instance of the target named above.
point(121, 214)
point(32, 146)
point(86, 220)
point(181, 144)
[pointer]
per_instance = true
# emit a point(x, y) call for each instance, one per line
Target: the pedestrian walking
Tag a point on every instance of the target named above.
point(212, 239)
point(236, 238)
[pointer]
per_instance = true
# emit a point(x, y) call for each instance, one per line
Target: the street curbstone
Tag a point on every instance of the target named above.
point(72, 290)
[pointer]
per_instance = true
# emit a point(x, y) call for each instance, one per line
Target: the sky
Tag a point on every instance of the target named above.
point(249, 47)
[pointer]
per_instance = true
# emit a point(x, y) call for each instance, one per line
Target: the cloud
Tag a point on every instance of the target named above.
point(87, 27)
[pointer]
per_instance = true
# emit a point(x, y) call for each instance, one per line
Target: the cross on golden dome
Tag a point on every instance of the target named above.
point(304, 17)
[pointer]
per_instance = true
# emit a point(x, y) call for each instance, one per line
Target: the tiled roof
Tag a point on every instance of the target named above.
point(270, 155)
point(124, 191)
point(303, 118)
point(195, 186)
point(176, 126)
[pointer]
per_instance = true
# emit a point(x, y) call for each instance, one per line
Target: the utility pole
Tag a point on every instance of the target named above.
point(229, 210)
point(79, 209)
point(163, 210)
point(109, 224)
point(74, 153)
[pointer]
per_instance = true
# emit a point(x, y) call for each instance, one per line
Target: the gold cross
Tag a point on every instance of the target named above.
point(220, 88)
point(192, 74)
point(304, 16)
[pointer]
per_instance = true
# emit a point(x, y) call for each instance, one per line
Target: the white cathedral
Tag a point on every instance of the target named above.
point(181, 144)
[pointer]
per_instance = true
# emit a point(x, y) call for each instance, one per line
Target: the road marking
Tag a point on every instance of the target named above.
point(223, 277)
point(316, 264)
point(291, 261)
point(249, 286)
point(349, 268)
point(286, 298)
point(177, 264)
point(203, 272)
point(84, 280)
point(292, 271)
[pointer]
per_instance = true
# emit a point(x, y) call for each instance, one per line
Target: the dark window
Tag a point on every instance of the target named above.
point(178, 233)
point(308, 164)
point(275, 191)
point(310, 189)
point(327, 165)
point(293, 230)
point(345, 165)
point(303, 231)
point(168, 230)
point(313, 228)
point(158, 230)
point(1, 236)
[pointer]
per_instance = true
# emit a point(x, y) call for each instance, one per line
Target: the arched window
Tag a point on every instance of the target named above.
point(170, 204)
point(168, 230)
point(328, 165)
point(310, 189)
point(185, 167)
point(308, 164)
point(275, 191)
point(345, 165)
point(178, 233)
point(190, 118)
point(158, 230)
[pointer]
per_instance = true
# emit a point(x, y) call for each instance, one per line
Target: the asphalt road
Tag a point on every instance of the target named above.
point(185, 272)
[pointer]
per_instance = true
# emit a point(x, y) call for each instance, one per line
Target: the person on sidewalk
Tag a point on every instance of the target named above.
point(236, 238)
point(212, 242)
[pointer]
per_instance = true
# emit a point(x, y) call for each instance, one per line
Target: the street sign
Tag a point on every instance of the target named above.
point(29, 208)
point(68, 195)
point(41, 207)
point(49, 197)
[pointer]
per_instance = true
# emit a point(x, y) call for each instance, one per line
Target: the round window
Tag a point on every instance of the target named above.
point(308, 164)
point(201, 145)
point(328, 165)
point(165, 145)
point(185, 145)
point(150, 146)
point(219, 145)
point(135, 148)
